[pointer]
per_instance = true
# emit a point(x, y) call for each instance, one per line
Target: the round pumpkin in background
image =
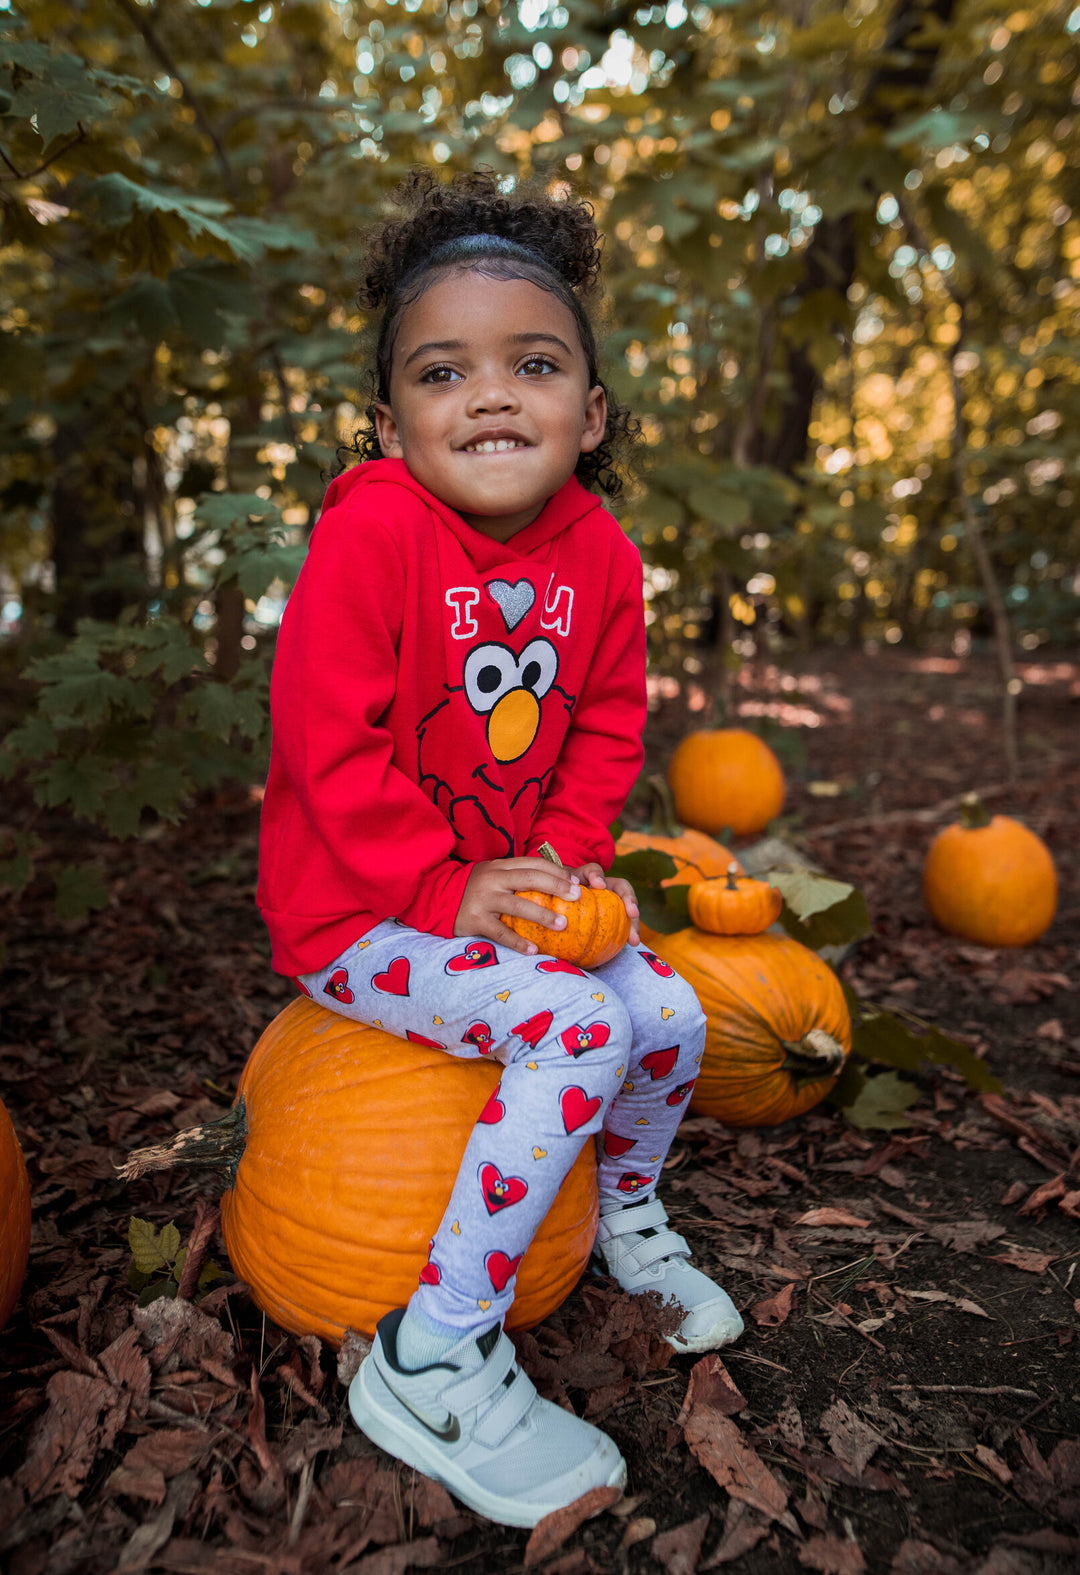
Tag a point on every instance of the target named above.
point(726, 778)
point(341, 1153)
point(14, 1216)
point(733, 906)
point(597, 923)
point(990, 879)
point(778, 1031)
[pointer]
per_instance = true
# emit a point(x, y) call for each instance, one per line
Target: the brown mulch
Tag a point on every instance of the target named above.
point(906, 1398)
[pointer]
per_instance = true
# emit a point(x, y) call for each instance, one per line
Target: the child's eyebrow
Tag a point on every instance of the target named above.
point(458, 344)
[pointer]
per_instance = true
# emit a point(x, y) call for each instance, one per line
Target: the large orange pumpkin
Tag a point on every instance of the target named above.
point(726, 777)
point(697, 856)
point(990, 880)
point(345, 1158)
point(779, 1030)
point(14, 1216)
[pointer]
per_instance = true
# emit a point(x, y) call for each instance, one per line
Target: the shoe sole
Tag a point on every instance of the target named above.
point(712, 1340)
point(370, 1402)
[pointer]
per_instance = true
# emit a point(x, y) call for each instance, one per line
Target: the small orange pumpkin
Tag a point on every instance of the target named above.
point(778, 1026)
point(597, 924)
point(990, 880)
point(726, 777)
point(697, 856)
point(14, 1216)
point(340, 1155)
point(733, 906)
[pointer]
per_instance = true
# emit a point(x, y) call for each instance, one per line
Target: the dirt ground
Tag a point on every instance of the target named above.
point(906, 1397)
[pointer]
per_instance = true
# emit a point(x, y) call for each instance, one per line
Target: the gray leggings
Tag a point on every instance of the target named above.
point(613, 1052)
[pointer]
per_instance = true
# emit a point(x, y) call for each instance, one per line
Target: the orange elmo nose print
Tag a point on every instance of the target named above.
point(512, 725)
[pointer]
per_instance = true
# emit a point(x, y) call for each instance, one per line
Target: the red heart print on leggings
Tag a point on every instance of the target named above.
point(615, 1146)
point(577, 1107)
point(501, 1269)
point(429, 1274)
point(659, 1063)
point(500, 1192)
point(337, 986)
point(575, 1040)
point(494, 1110)
point(478, 1034)
point(478, 954)
point(395, 981)
point(534, 1028)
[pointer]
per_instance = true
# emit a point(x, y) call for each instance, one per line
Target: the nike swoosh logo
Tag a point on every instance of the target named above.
point(449, 1432)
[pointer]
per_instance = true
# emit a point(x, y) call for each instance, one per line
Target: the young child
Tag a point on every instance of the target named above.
point(460, 677)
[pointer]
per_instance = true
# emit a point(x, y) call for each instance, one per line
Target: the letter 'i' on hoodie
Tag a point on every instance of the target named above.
point(438, 699)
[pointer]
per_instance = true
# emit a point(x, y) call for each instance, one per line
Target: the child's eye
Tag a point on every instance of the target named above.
point(538, 365)
point(438, 374)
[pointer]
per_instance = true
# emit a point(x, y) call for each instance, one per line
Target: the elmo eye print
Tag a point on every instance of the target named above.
point(508, 689)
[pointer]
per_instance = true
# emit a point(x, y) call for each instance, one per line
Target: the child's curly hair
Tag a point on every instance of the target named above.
point(470, 222)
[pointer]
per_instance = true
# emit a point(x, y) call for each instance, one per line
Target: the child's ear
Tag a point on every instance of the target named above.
point(386, 430)
point(592, 433)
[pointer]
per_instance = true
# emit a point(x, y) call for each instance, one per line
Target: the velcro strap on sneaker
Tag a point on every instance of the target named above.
point(475, 1387)
point(643, 1216)
point(654, 1249)
point(506, 1413)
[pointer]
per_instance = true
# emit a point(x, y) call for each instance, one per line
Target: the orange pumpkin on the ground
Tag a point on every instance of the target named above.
point(14, 1216)
point(726, 777)
point(778, 1025)
point(733, 906)
point(990, 879)
point(344, 1159)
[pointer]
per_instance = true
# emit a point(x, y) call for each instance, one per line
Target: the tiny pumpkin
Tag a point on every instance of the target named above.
point(726, 778)
point(778, 1031)
point(597, 923)
point(14, 1216)
point(340, 1156)
point(733, 906)
point(990, 879)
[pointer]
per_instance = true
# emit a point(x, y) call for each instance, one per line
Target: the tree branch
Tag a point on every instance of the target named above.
point(143, 25)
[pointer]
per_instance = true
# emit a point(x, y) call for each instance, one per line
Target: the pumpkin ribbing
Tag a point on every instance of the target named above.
point(990, 879)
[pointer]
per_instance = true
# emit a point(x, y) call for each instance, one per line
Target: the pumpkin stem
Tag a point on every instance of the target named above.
point(662, 807)
point(548, 852)
point(816, 1054)
point(973, 812)
point(217, 1145)
point(732, 871)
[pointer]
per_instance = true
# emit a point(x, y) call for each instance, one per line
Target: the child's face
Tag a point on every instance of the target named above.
point(490, 404)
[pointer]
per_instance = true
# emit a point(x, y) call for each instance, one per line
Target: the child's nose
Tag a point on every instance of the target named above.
point(492, 392)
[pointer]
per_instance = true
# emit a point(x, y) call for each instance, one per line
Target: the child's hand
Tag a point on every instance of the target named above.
point(492, 889)
point(592, 875)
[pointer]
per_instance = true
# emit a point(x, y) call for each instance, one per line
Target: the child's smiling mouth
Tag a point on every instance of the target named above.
point(495, 446)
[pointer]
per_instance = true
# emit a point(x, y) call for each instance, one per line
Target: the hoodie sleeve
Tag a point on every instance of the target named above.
point(602, 752)
point(353, 834)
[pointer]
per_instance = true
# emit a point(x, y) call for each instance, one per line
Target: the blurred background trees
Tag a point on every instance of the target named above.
point(823, 222)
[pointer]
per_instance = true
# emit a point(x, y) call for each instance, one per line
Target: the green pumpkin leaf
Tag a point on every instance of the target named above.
point(145, 1244)
point(907, 1042)
point(880, 1102)
point(806, 892)
point(644, 867)
point(841, 925)
point(170, 1242)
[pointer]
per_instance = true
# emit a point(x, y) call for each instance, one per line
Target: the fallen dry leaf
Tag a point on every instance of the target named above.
point(853, 1442)
point(712, 1385)
point(774, 1310)
point(551, 1532)
point(640, 1529)
point(716, 1443)
point(832, 1556)
point(743, 1530)
point(679, 1549)
point(830, 1216)
point(1024, 1258)
point(993, 1462)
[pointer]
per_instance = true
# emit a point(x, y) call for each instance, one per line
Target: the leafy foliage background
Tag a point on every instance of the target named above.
point(817, 216)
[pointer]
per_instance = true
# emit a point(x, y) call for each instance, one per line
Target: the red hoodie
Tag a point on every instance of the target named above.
point(440, 699)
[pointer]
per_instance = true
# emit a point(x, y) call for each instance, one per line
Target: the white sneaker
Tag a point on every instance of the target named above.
point(638, 1248)
point(475, 1423)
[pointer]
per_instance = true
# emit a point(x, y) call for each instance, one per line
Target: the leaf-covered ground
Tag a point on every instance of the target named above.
point(907, 1395)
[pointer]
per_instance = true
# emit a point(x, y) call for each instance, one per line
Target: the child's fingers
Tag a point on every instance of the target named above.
point(518, 906)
